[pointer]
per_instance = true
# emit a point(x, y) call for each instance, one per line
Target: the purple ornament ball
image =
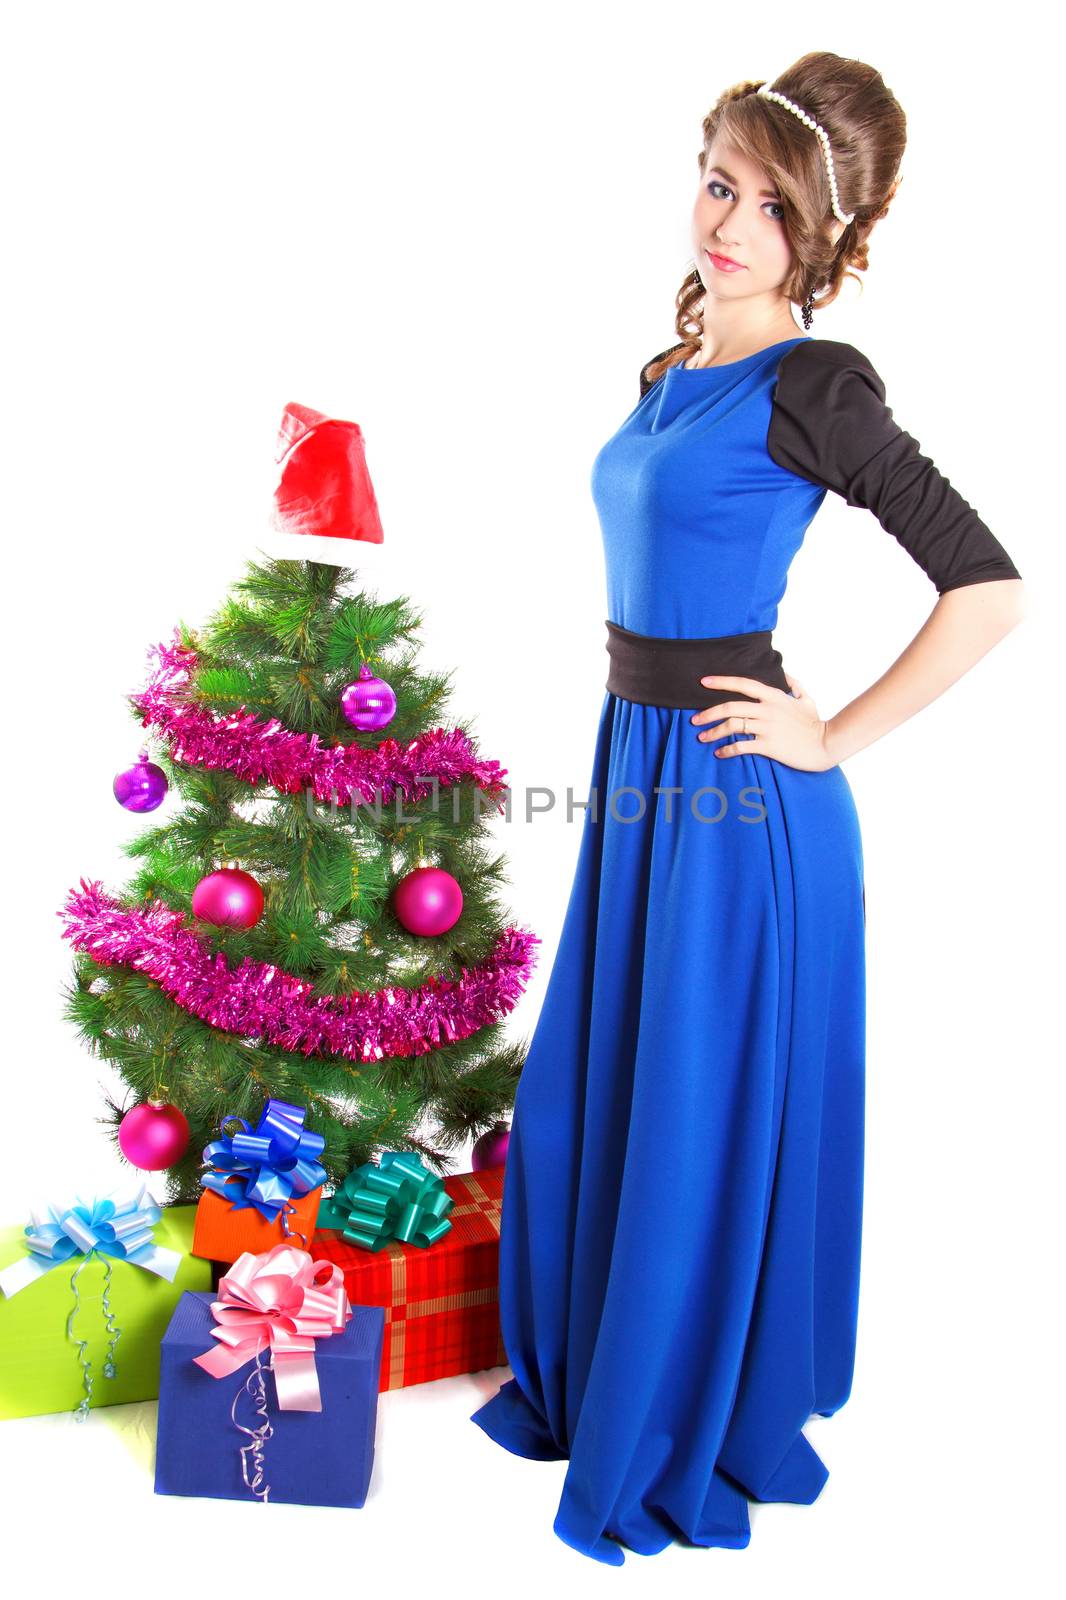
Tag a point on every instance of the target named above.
point(369, 702)
point(142, 786)
point(428, 901)
point(491, 1149)
point(153, 1136)
point(229, 898)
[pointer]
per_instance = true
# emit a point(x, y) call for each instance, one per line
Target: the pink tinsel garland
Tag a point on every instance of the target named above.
point(267, 752)
point(258, 1000)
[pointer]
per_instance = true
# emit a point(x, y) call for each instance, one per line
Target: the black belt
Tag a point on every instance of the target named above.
point(667, 672)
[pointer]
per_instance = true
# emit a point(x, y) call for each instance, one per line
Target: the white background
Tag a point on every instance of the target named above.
point(464, 226)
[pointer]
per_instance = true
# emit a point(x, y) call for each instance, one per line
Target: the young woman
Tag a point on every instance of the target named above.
point(679, 1256)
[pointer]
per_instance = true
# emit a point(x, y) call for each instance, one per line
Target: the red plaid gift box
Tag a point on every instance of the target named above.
point(442, 1307)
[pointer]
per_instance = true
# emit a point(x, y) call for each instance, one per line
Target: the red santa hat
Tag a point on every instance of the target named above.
point(324, 490)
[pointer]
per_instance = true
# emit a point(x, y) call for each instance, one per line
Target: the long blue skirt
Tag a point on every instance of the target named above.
point(682, 1207)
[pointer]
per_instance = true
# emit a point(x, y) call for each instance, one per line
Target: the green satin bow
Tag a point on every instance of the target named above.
point(400, 1199)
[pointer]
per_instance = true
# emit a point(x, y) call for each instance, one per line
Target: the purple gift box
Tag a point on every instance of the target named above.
point(313, 1458)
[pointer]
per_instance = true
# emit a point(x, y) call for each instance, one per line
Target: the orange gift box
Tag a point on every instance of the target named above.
point(442, 1301)
point(222, 1234)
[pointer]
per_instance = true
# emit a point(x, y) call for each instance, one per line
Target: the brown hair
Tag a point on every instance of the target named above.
point(867, 132)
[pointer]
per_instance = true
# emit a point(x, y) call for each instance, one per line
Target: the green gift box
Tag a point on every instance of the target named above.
point(39, 1365)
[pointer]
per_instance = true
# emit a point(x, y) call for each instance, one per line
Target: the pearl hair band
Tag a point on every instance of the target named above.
point(808, 121)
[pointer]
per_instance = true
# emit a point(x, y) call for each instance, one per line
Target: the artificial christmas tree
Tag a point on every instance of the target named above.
point(261, 952)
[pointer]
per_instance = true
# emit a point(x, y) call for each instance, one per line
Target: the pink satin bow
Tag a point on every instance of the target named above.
point(281, 1301)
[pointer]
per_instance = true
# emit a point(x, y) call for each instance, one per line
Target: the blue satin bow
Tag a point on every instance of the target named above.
point(265, 1168)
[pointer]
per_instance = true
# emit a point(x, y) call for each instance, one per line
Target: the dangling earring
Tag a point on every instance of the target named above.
point(808, 310)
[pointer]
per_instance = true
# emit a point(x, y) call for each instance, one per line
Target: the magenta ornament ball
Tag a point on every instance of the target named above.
point(369, 702)
point(428, 901)
point(491, 1149)
point(153, 1136)
point(141, 787)
point(229, 898)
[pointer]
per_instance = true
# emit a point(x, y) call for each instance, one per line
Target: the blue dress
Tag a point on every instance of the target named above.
point(680, 1244)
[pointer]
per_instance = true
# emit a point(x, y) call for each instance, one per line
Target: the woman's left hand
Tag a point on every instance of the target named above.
point(785, 727)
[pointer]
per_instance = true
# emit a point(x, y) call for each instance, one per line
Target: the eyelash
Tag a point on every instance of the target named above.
point(714, 184)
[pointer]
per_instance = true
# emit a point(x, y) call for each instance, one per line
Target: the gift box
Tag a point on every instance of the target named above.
point(222, 1233)
point(40, 1369)
point(441, 1301)
point(263, 1185)
point(322, 1458)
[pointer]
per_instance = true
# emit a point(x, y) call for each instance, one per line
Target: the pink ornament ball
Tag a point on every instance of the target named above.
point(141, 787)
point(369, 702)
point(428, 901)
point(229, 898)
point(153, 1136)
point(491, 1149)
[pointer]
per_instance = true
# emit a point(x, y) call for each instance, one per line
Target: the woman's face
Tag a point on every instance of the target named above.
point(738, 215)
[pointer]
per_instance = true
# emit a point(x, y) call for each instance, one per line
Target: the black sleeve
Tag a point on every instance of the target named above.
point(645, 382)
point(830, 424)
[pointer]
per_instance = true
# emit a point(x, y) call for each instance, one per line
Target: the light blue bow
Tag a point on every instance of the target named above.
point(118, 1225)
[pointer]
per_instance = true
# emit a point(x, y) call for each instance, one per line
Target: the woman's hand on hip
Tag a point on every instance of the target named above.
point(785, 727)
